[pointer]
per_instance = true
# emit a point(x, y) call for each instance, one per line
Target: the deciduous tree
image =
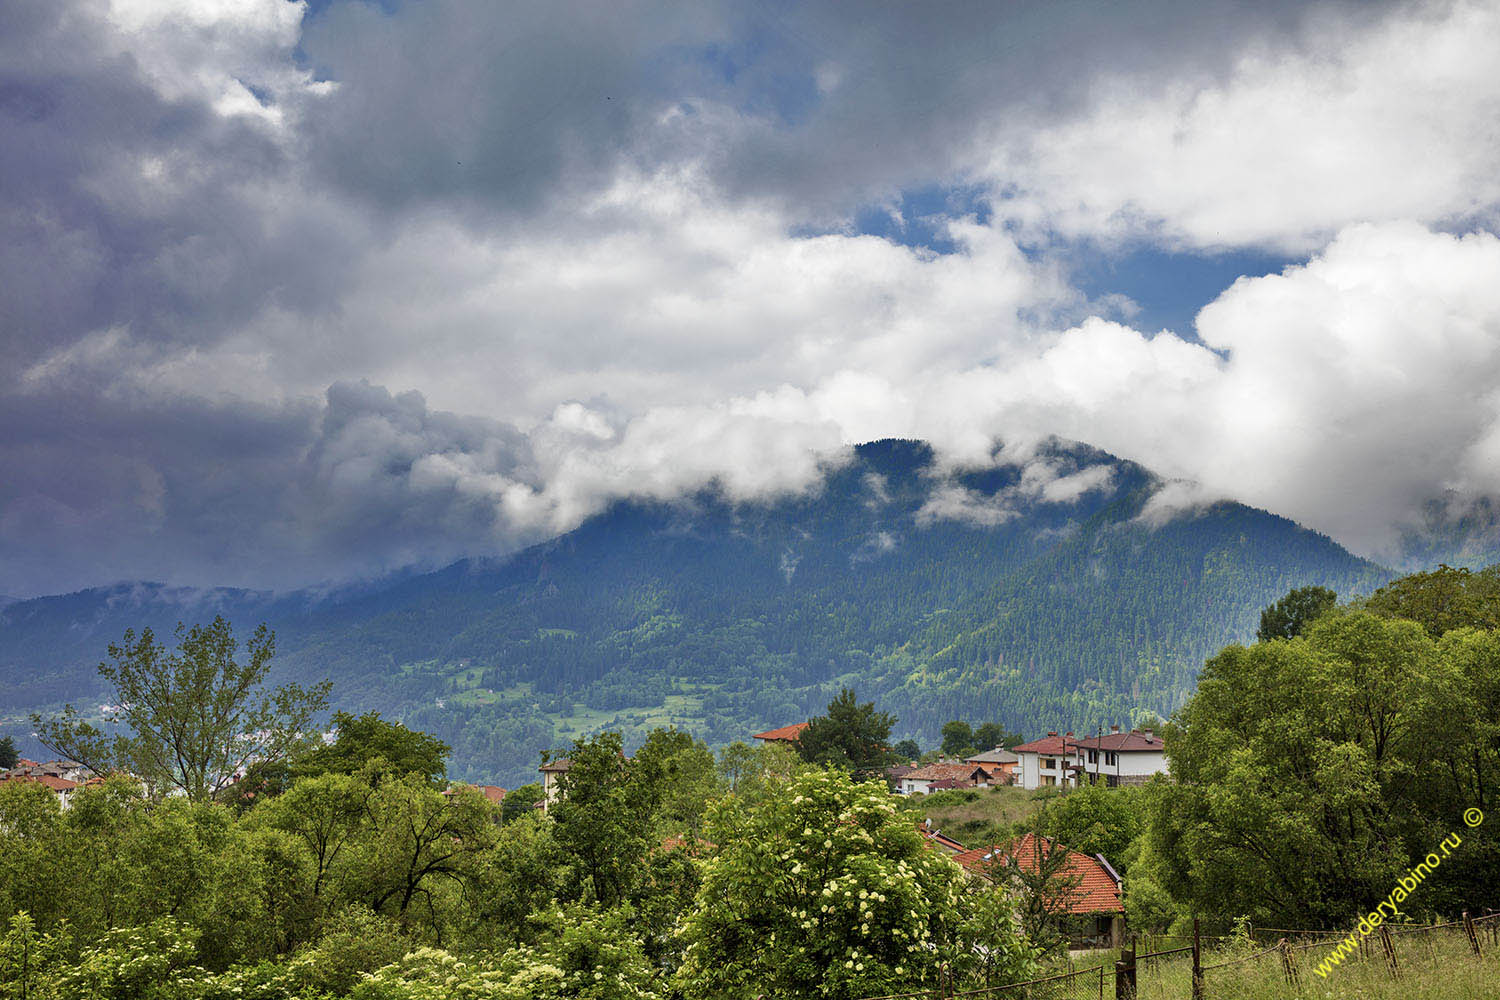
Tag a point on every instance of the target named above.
point(825, 890)
point(958, 738)
point(1298, 609)
point(194, 718)
point(850, 736)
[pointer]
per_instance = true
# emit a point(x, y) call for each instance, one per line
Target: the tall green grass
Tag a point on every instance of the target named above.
point(1434, 965)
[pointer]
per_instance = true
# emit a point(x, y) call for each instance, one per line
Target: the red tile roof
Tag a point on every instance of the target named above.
point(960, 774)
point(494, 793)
point(1097, 890)
point(786, 733)
point(1051, 744)
point(50, 780)
point(1123, 742)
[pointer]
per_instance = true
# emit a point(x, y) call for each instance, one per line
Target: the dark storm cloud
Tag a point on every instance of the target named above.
point(211, 213)
point(822, 104)
point(128, 207)
point(198, 492)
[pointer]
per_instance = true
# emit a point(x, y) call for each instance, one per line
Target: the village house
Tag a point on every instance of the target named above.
point(494, 793)
point(1045, 763)
point(946, 774)
point(786, 734)
point(68, 770)
point(1000, 762)
point(1119, 758)
point(1089, 890)
point(63, 777)
point(551, 790)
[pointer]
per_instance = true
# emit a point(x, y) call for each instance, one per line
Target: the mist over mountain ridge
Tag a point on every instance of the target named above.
point(1058, 587)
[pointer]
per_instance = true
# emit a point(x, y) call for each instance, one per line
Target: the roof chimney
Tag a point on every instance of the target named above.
point(1148, 733)
point(1114, 729)
point(1070, 734)
point(1052, 732)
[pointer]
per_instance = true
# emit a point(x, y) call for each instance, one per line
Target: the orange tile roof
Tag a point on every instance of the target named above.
point(1124, 742)
point(51, 781)
point(961, 773)
point(1050, 744)
point(494, 793)
point(787, 733)
point(1096, 892)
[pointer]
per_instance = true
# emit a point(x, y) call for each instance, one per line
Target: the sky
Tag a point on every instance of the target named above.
point(295, 293)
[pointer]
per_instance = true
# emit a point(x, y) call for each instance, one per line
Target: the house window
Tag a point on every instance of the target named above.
point(1109, 757)
point(1112, 780)
point(1093, 756)
point(1049, 780)
point(1049, 763)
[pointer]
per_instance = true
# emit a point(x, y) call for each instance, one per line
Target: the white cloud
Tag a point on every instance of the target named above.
point(1362, 121)
point(596, 303)
point(957, 503)
point(1343, 393)
point(217, 51)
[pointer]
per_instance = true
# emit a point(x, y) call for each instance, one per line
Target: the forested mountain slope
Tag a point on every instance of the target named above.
point(1043, 593)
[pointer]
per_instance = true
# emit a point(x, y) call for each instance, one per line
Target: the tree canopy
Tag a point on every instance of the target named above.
point(1298, 609)
point(194, 718)
point(362, 740)
point(850, 736)
point(1308, 774)
point(1442, 600)
point(825, 890)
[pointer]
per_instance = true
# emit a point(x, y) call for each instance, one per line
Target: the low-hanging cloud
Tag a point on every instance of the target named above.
point(298, 296)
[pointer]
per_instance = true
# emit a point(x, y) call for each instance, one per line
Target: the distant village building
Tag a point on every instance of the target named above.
point(936, 777)
point(1090, 889)
point(1115, 758)
point(494, 793)
point(551, 789)
point(1000, 762)
point(1044, 763)
point(895, 773)
point(63, 777)
point(786, 734)
point(1119, 758)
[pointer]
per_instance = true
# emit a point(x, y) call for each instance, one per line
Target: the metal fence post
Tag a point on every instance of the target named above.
point(1390, 952)
point(1288, 967)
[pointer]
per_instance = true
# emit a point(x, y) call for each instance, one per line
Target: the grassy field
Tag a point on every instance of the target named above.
point(1434, 965)
point(977, 817)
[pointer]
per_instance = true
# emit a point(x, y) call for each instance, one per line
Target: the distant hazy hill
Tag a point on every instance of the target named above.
point(1039, 595)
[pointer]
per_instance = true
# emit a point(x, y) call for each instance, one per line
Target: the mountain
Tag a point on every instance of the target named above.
point(1056, 592)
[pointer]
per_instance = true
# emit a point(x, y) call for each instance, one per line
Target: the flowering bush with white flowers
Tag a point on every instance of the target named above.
point(582, 954)
point(826, 891)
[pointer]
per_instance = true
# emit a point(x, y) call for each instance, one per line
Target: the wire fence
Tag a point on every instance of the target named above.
point(1267, 961)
